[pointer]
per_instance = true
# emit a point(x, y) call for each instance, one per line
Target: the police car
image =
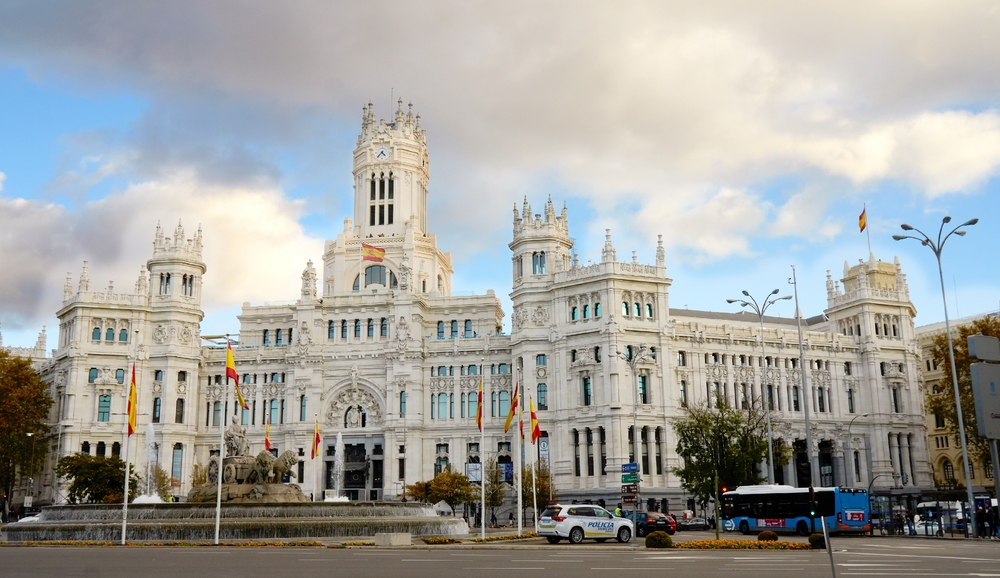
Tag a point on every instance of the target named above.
point(582, 521)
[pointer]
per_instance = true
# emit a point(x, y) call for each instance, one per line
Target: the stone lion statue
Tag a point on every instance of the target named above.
point(270, 469)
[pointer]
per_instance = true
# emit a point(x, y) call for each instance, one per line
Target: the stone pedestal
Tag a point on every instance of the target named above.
point(249, 493)
point(393, 539)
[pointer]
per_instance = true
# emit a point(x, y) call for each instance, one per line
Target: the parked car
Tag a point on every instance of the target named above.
point(652, 522)
point(693, 524)
point(577, 522)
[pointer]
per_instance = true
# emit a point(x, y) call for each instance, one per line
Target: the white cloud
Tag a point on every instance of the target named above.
point(255, 249)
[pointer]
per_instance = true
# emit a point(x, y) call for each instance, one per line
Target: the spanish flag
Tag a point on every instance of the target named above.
point(267, 433)
point(512, 412)
point(231, 373)
point(316, 441)
point(863, 220)
point(132, 406)
point(370, 253)
point(479, 405)
point(535, 432)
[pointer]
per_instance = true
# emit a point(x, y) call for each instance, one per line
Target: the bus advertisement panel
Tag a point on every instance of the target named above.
point(787, 509)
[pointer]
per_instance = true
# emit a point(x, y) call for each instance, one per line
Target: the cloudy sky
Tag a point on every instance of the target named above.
point(749, 135)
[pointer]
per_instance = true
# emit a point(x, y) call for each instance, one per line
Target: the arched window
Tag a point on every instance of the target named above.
point(649, 310)
point(179, 411)
point(454, 329)
point(597, 354)
point(92, 375)
point(442, 371)
point(440, 329)
point(110, 334)
point(375, 275)
point(468, 328)
point(85, 448)
point(182, 376)
point(586, 311)
point(625, 308)
point(628, 352)
point(116, 449)
point(573, 314)
point(371, 328)
point(123, 335)
point(277, 337)
point(158, 375)
point(357, 284)
point(473, 370)
point(267, 337)
point(636, 310)
point(330, 330)
point(357, 329)
point(96, 336)
point(103, 408)
point(543, 396)
point(120, 375)
point(597, 309)
point(102, 449)
point(343, 329)
point(948, 470)
point(384, 329)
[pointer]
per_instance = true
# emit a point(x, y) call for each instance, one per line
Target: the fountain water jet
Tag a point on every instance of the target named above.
point(150, 496)
point(338, 472)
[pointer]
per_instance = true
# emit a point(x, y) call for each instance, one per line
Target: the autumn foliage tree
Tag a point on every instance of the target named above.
point(96, 479)
point(24, 406)
point(450, 486)
point(543, 485)
point(941, 399)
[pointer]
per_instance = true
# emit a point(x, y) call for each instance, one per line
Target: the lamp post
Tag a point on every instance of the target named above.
point(633, 360)
point(759, 309)
point(851, 468)
point(937, 247)
point(31, 467)
point(806, 390)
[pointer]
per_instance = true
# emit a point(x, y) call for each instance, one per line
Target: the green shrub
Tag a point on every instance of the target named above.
point(659, 539)
point(767, 536)
point(817, 541)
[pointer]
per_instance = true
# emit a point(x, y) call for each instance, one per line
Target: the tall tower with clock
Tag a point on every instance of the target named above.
point(391, 171)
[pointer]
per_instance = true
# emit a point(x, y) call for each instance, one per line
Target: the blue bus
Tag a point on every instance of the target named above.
point(786, 509)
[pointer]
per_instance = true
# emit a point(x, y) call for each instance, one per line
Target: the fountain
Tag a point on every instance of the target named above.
point(256, 506)
point(338, 472)
point(150, 496)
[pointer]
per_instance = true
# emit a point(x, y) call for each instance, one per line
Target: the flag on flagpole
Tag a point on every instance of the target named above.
point(267, 432)
point(535, 432)
point(316, 441)
point(231, 373)
point(863, 219)
point(512, 412)
point(520, 419)
point(479, 405)
point(132, 406)
point(371, 253)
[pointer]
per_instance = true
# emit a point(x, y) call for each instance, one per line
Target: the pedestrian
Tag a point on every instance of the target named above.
point(510, 520)
point(995, 519)
point(909, 523)
point(980, 522)
point(618, 511)
point(493, 519)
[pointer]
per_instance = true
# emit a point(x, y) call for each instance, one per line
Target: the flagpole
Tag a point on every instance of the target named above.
point(318, 476)
point(868, 229)
point(534, 462)
point(222, 452)
point(520, 465)
point(482, 449)
point(128, 438)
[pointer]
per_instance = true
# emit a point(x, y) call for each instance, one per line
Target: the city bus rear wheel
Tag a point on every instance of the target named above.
point(802, 528)
point(744, 527)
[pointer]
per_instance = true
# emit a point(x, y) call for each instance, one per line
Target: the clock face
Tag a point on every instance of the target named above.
point(382, 152)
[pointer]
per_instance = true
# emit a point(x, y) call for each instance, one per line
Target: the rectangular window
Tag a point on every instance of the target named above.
point(847, 368)
point(576, 453)
point(302, 409)
point(590, 452)
point(177, 462)
point(104, 408)
point(857, 467)
point(343, 329)
point(156, 411)
point(587, 393)
point(216, 413)
point(684, 394)
point(821, 402)
point(402, 404)
point(539, 360)
point(795, 398)
point(850, 401)
point(357, 329)
point(643, 390)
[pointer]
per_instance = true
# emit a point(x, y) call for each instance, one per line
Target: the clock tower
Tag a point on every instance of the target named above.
point(391, 171)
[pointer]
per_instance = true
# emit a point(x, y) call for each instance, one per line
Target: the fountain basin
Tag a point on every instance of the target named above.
point(196, 522)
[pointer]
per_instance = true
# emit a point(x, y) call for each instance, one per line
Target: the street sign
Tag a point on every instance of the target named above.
point(27, 501)
point(630, 468)
point(630, 489)
point(628, 499)
point(986, 394)
point(630, 478)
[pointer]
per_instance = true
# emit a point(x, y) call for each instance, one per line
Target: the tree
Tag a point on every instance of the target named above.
point(420, 491)
point(543, 484)
point(941, 400)
point(24, 406)
point(96, 479)
point(160, 483)
point(199, 476)
point(452, 487)
point(722, 444)
point(495, 487)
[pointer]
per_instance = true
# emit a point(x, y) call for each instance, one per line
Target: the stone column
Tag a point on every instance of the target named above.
point(894, 454)
point(839, 471)
point(904, 459)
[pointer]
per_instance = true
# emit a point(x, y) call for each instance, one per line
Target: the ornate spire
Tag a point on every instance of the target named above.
point(68, 287)
point(608, 252)
point(84, 279)
point(661, 257)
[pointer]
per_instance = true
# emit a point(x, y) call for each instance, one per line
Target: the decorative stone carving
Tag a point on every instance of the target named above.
point(157, 387)
point(402, 333)
point(160, 335)
point(351, 399)
point(185, 335)
point(540, 316)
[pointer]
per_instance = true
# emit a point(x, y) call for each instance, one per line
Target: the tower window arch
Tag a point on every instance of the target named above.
point(96, 336)
point(649, 310)
point(636, 310)
point(574, 314)
point(384, 329)
point(371, 328)
point(357, 284)
point(110, 334)
point(123, 335)
point(586, 311)
point(597, 309)
point(625, 308)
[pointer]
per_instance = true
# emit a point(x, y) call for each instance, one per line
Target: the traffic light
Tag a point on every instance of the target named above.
point(812, 502)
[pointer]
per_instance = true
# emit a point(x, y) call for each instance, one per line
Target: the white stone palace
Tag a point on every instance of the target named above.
point(386, 355)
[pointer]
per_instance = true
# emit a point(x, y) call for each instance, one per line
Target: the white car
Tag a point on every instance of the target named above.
point(577, 522)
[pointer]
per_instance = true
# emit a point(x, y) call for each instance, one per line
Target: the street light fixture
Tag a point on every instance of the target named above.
point(937, 247)
point(31, 466)
point(633, 360)
point(760, 309)
point(849, 455)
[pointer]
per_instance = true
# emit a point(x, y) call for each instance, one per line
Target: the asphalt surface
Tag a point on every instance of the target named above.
point(889, 557)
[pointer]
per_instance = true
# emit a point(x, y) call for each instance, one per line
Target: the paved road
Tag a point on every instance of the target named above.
point(854, 557)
